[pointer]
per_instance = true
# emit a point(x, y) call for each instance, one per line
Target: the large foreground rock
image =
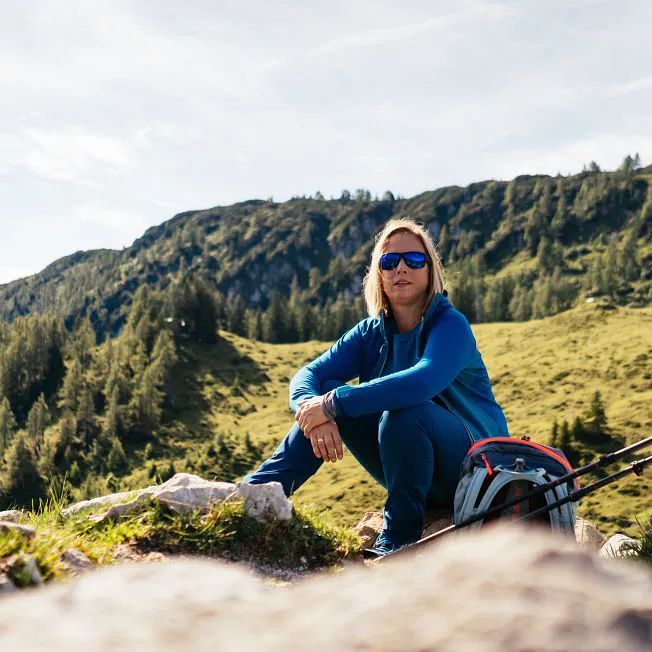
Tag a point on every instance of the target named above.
point(502, 588)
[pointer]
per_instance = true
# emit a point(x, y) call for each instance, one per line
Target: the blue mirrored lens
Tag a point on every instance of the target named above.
point(414, 259)
point(389, 261)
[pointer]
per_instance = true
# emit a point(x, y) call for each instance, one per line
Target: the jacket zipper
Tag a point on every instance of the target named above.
point(468, 431)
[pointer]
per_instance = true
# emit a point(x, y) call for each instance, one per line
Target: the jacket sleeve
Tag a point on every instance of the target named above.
point(448, 350)
point(343, 362)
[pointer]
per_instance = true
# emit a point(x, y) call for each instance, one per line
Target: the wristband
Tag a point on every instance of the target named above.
point(328, 405)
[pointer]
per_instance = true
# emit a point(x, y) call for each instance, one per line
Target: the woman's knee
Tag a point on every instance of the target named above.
point(396, 426)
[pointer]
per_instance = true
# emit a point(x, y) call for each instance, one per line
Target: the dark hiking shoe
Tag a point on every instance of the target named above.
point(381, 548)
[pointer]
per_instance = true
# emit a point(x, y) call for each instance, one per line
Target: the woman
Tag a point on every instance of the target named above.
point(423, 396)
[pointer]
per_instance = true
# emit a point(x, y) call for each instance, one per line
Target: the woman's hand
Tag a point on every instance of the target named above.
point(326, 442)
point(310, 414)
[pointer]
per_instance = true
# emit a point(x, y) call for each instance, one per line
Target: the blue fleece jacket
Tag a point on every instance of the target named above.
point(449, 370)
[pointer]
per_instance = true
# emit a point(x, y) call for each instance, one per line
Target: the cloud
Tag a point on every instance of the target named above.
point(483, 10)
point(70, 153)
point(644, 83)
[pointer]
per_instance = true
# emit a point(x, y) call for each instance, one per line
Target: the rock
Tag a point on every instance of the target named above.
point(185, 492)
point(24, 530)
point(588, 536)
point(371, 524)
point(121, 509)
point(369, 527)
point(126, 552)
point(13, 515)
point(619, 545)
point(505, 588)
point(265, 502)
point(6, 585)
point(76, 561)
point(23, 570)
point(102, 501)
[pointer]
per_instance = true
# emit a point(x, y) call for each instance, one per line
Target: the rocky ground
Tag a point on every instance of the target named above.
point(503, 588)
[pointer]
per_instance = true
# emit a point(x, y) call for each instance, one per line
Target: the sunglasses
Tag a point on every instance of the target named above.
point(413, 259)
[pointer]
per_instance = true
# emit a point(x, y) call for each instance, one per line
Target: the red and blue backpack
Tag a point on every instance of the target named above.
point(499, 469)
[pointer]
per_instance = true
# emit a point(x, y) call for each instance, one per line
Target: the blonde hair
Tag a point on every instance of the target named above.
point(372, 288)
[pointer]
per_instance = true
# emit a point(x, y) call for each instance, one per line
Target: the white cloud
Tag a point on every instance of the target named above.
point(644, 83)
point(483, 10)
point(68, 154)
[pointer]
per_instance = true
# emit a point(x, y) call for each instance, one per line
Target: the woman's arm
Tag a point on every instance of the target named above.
point(343, 361)
point(448, 350)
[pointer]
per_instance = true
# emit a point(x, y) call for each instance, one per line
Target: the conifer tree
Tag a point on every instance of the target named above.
point(112, 418)
point(205, 316)
point(560, 218)
point(20, 480)
point(273, 322)
point(554, 435)
point(72, 386)
point(565, 438)
point(7, 425)
point(37, 421)
point(597, 414)
point(577, 429)
point(235, 314)
point(628, 266)
point(253, 322)
point(164, 353)
point(545, 255)
point(67, 448)
point(610, 269)
point(117, 459)
point(85, 416)
point(520, 305)
point(82, 343)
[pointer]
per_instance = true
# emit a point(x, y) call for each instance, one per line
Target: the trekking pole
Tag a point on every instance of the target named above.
point(603, 460)
point(636, 467)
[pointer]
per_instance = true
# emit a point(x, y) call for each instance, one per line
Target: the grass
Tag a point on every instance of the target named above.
point(306, 542)
point(540, 370)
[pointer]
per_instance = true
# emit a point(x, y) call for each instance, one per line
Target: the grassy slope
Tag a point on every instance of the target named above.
point(540, 370)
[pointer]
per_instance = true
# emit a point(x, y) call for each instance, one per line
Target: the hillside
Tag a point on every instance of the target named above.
point(545, 240)
point(541, 370)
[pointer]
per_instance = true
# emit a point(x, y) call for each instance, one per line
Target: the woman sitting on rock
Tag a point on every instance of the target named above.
point(423, 396)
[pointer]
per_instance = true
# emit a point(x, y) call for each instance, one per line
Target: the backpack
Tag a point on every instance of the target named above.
point(498, 469)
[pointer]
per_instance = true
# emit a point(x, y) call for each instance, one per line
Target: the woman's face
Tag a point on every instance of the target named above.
point(404, 285)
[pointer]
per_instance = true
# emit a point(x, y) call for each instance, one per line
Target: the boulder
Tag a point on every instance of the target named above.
point(13, 515)
point(265, 502)
point(185, 492)
point(22, 570)
point(505, 588)
point(26, 531)
point(619, 545)
point(121, 509)
point(76, 561)
point(103, 501)
point(587, 535)
point(369, 527)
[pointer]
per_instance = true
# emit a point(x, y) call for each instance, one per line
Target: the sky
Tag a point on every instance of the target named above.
point(116, 115)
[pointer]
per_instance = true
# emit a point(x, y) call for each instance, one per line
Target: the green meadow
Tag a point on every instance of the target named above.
point(541, 370)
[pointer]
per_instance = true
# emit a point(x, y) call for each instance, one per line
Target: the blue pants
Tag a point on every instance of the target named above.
point(414, 452)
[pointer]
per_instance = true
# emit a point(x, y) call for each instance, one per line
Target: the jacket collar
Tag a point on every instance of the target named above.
point(439, 300)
